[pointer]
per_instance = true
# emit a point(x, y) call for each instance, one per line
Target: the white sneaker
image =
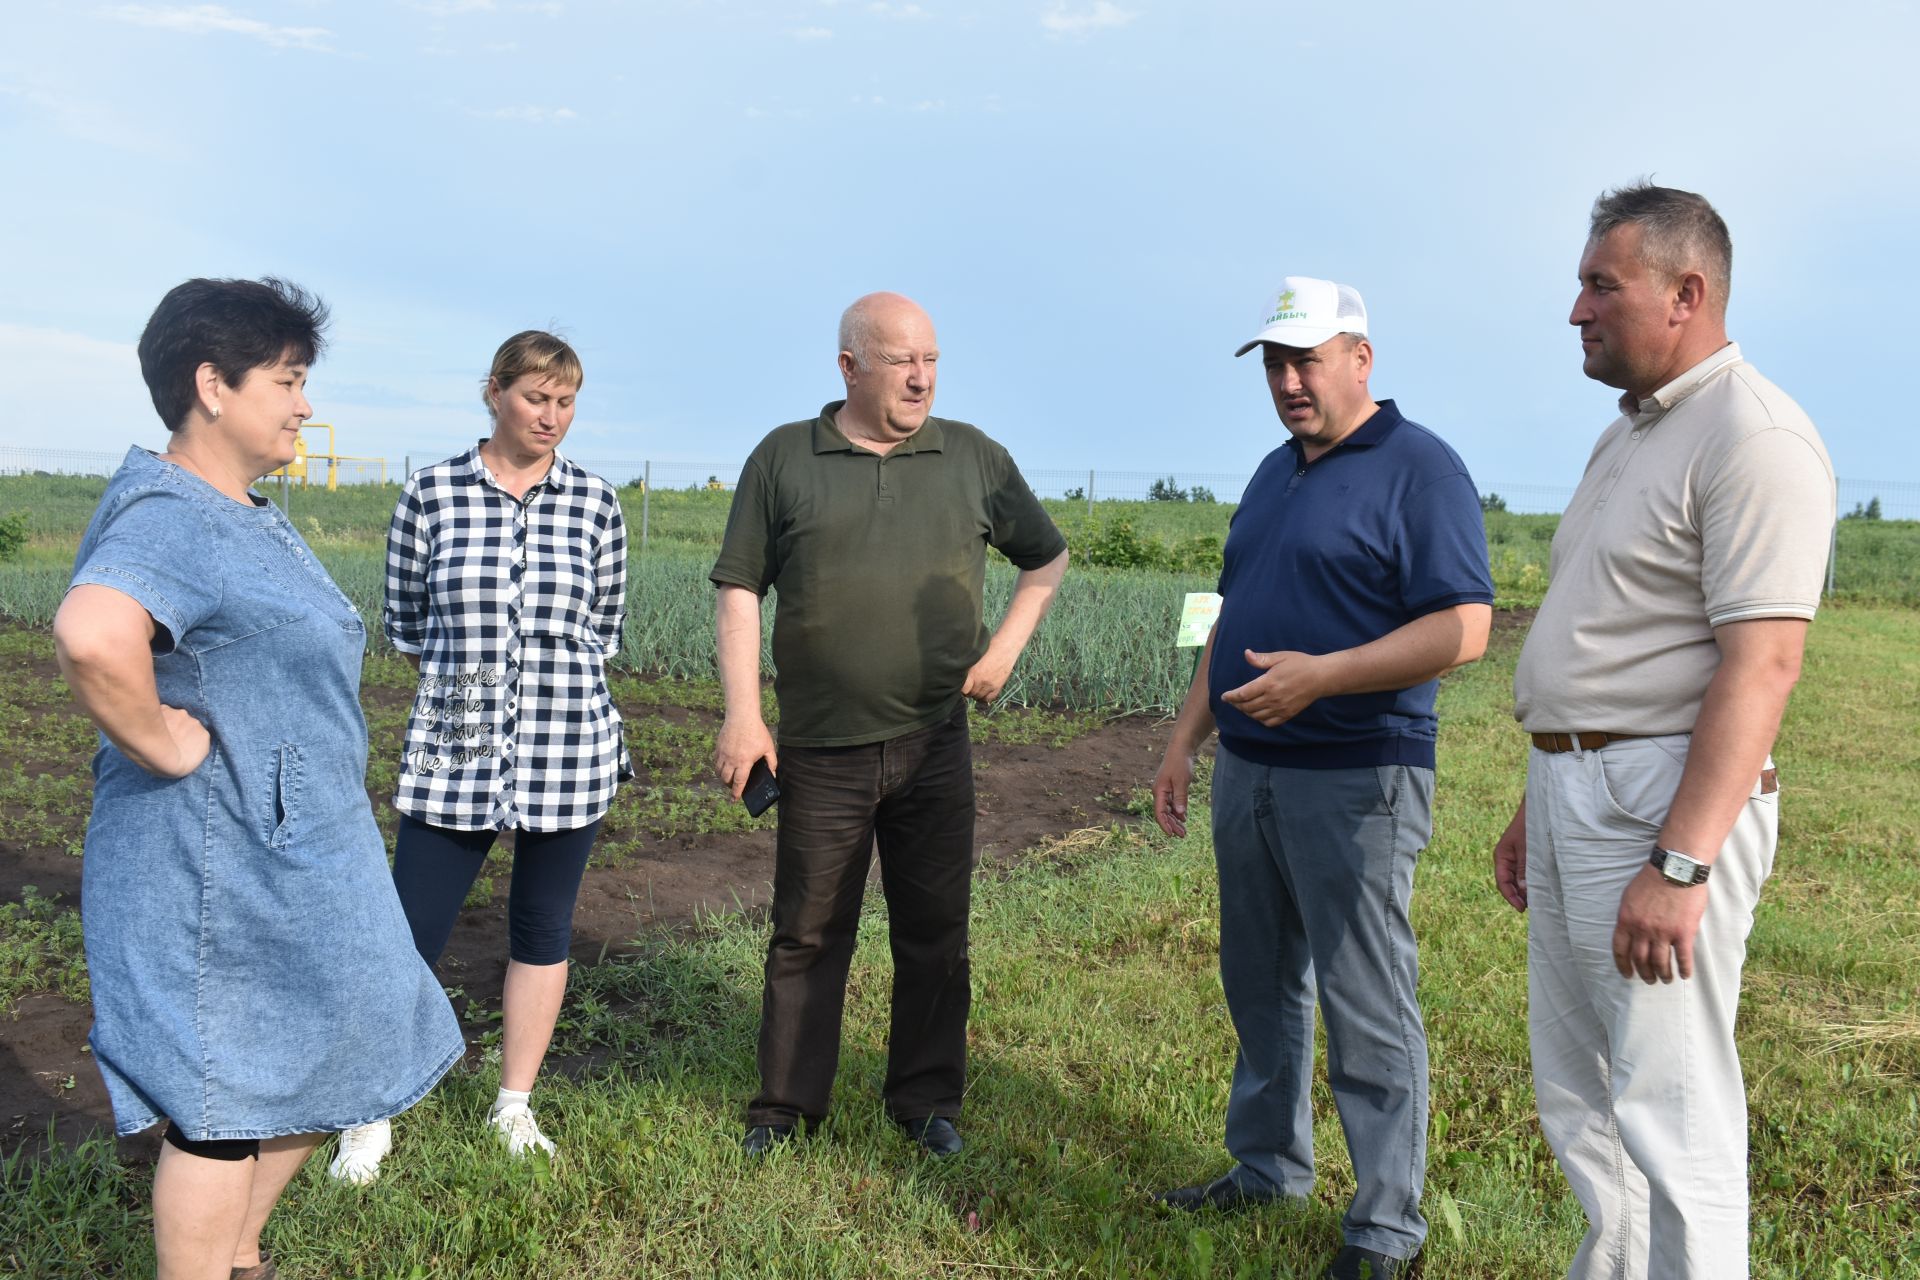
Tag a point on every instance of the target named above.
point(516, 1127)
point(360, 1153)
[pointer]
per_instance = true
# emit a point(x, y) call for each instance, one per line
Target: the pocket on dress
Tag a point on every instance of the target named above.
point(283, 792)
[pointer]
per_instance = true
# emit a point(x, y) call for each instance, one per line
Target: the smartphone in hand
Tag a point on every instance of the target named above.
point(761, 790)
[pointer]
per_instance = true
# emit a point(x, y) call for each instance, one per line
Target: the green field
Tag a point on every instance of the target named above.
point(1101, 1056)
point(1100, 1045)
point(1105, 646)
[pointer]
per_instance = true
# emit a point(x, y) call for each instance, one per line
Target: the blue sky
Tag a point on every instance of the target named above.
point(1089, 196)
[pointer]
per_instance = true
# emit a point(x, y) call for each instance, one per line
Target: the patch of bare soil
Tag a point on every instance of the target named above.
point(1027, 794)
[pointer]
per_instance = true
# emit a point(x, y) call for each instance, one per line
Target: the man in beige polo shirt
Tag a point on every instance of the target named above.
point(1684, 574)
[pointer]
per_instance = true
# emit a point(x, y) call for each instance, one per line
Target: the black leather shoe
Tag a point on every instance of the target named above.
point(1355, 1263)
point(762, 1138)
point(1224, 1193)
point(935, 1133)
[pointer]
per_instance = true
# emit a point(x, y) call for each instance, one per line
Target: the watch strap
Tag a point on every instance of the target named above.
point(1659, 858)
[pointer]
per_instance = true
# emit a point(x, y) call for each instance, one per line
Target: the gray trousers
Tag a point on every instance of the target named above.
point(1316, 867)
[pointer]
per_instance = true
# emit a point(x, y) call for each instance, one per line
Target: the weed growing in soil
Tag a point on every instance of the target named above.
point(40, 950)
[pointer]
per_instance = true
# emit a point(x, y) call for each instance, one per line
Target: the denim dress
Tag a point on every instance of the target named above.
point(252, 972)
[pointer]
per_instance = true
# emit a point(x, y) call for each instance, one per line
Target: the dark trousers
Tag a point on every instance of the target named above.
point(435, 867)
point(912, 797)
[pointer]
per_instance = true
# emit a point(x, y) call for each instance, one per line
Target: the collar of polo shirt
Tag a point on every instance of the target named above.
point(828, 438)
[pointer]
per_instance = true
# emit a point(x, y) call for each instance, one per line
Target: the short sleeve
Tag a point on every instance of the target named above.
point(749, 550)
point(1443, 547)
point(1766, 517)
point(153, 547)
point(1021, 530)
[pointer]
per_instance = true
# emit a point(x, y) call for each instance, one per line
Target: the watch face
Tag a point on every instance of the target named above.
point(1678, 868)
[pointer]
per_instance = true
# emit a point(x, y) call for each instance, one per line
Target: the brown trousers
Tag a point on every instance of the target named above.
point(912, 798)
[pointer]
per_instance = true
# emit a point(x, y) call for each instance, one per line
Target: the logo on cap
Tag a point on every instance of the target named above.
point(1283, 308)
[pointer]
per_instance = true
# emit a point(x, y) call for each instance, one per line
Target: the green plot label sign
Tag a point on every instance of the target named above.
point(1196, 619)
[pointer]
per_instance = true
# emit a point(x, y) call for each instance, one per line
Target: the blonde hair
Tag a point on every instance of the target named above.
point(531, 351)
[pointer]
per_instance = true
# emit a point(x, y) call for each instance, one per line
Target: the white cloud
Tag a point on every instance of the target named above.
point(811, 33)
point(529, 114)
point(1062, 21)
point(888, 9)
point(200, 19)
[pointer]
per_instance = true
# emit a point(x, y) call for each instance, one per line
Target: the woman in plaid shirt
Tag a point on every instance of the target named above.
point(506, 586)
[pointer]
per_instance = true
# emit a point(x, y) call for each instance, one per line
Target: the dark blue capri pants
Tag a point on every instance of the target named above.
point(435, 867)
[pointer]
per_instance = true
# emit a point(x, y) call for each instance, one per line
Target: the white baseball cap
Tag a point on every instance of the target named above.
point(1305, 312)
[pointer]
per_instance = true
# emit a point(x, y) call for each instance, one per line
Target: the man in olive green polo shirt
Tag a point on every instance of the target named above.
point(872, 522)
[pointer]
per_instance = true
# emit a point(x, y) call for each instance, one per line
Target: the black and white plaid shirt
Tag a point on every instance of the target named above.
point(514, 607)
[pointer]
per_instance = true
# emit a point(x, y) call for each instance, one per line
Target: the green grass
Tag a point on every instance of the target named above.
point(1100, 1059)
point(1878, 560)
point(40, 950)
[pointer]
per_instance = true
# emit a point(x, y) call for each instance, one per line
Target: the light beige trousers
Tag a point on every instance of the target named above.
point(1639, 1086)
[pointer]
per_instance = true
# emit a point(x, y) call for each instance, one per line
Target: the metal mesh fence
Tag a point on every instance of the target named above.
point(1095, 485)
point(1878, 552)
point(67, 462)
point(1859, 499)
point(666, 475)
point(349, 471)
point(1877, 498)
point(56, 462)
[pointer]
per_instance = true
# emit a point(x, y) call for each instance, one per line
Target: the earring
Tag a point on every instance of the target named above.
point(216, 411)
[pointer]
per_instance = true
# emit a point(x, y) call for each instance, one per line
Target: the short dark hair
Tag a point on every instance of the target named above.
point(1680, 231)
point(234, 325)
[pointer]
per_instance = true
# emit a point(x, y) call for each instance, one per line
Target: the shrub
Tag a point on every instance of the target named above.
point(13, 535)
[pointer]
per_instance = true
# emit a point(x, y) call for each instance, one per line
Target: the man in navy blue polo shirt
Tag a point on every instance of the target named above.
point(1355, 576)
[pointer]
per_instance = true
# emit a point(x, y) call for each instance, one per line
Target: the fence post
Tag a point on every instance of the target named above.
point(404, 474)
point(1833, 556)
point(1089, 491)
point(646, 502)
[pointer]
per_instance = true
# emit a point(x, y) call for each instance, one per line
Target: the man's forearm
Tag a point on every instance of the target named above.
point(1194, 724)
point(737, 649)
point(1033, 593)
point(1739, 719)
point(1422, 650)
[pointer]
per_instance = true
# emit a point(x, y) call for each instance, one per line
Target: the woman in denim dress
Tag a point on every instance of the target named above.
point(254, 982)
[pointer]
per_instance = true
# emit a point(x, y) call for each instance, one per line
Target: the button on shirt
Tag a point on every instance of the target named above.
point(513, 606)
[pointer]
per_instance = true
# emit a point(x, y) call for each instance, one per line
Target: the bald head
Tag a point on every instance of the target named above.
point(861, 323)
point(887, 358)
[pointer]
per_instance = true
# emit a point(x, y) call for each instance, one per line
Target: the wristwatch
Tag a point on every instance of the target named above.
point(1678, 868)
